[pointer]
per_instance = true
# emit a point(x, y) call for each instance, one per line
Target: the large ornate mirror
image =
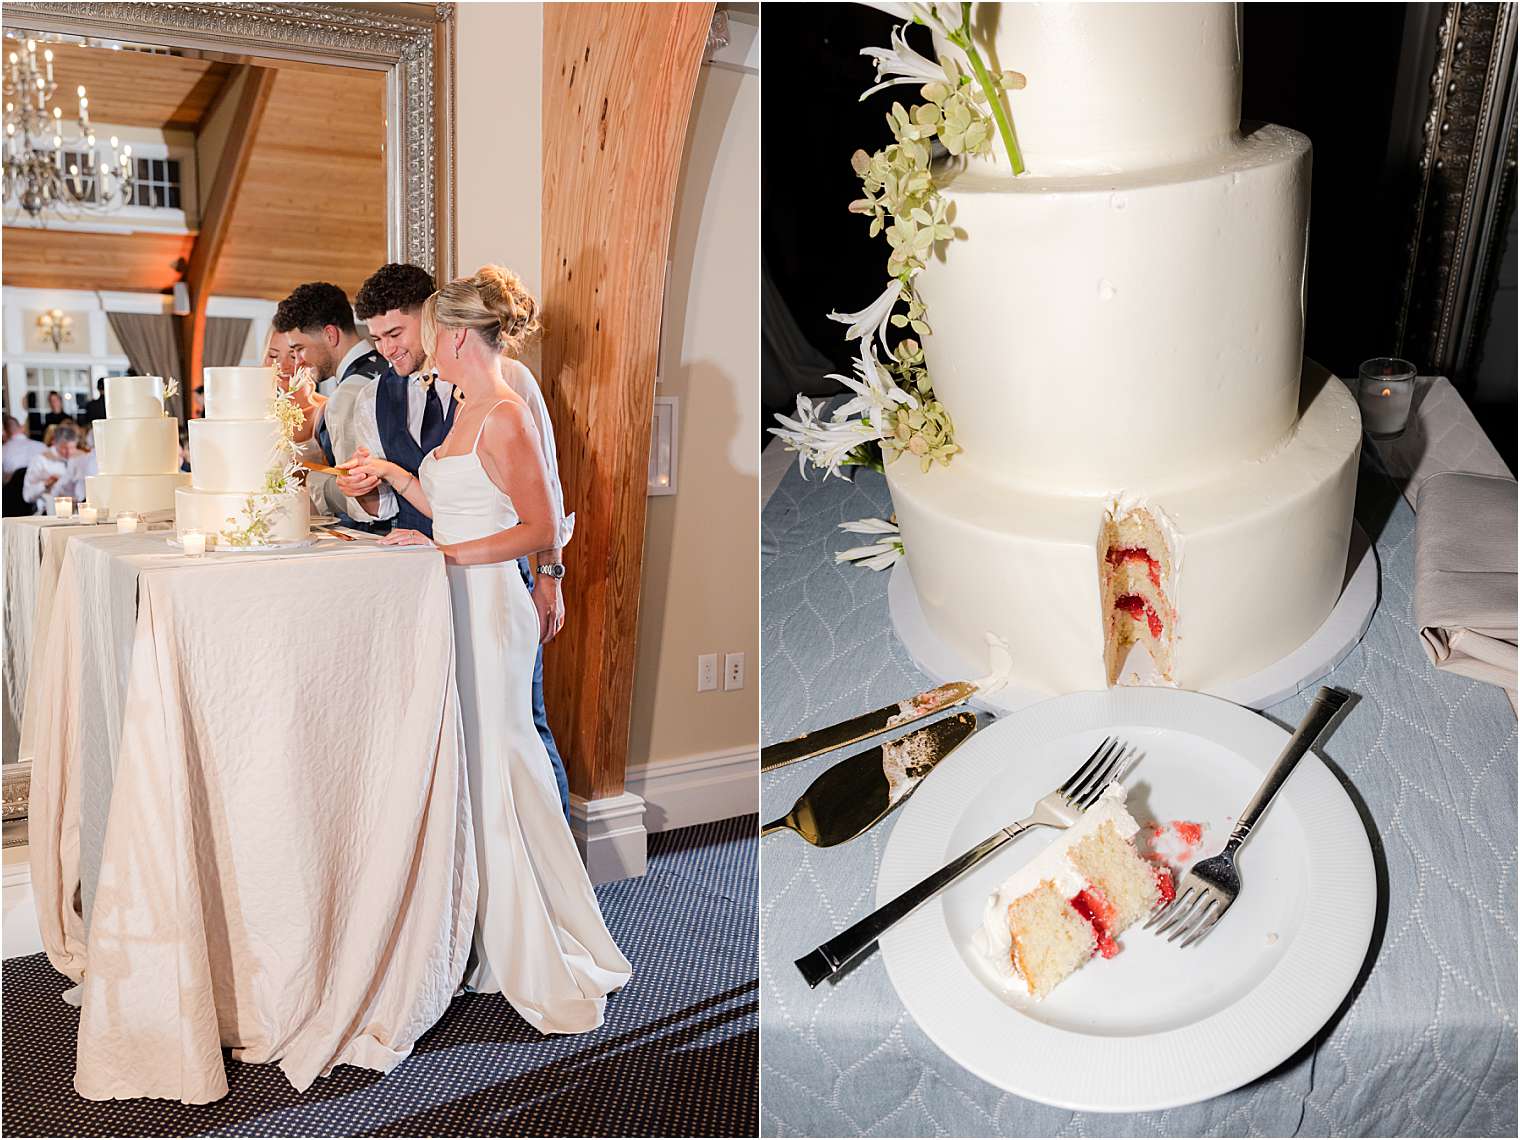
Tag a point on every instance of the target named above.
point(194, 163)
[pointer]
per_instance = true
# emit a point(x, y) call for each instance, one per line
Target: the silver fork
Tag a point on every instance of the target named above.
point(1060, 809)
point(1209, 887)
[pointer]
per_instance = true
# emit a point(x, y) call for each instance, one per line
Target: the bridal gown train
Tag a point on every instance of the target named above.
point(539, 936)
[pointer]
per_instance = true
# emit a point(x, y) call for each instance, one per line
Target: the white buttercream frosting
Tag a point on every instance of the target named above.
point(993, 941)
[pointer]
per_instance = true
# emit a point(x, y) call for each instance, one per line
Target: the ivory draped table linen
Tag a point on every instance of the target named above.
point(250, 819)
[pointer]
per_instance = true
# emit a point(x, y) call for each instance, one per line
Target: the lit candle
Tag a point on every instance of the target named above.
point(194, 542)
point(63, 506)
point(1384, 394)
point(48, 55)
point(126, 523)
point(89, 514)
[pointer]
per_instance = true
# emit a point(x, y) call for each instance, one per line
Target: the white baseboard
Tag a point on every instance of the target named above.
point(697, 789)
point(610, 833)
point(20, 935)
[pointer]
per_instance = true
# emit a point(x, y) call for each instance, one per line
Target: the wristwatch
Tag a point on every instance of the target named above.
point(552, 569)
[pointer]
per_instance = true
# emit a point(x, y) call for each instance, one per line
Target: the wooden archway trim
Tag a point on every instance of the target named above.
point(618, 85)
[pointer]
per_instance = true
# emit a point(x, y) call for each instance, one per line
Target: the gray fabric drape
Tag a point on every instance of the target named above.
point(790, 365)
point(151, 342)
point(225, 338)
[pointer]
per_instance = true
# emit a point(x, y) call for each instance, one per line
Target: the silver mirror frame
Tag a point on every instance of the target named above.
point(412, 43)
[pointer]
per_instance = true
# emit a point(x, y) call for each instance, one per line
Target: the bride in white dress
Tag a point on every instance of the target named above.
point(539, 936)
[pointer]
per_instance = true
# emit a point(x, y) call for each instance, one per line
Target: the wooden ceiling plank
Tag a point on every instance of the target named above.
point(216, 217)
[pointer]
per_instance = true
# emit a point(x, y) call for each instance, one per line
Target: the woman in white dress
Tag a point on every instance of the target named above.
point(539, 935)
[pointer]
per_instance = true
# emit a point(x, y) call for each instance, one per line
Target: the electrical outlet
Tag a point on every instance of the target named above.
point(707, 672)
point(733, 670)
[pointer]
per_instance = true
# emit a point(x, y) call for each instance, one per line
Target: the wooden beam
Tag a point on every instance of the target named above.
point(617, 94)
point(216, 214)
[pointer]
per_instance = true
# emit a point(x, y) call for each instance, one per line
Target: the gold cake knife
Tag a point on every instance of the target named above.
point(857, 728)
point(858, 792)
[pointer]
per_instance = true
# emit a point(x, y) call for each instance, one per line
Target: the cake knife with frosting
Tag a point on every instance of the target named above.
point(858, 792)
point(873, 723)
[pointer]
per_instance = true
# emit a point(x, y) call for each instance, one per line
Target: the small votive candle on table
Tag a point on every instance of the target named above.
point(63, 507)
point(1385, 388)
point(126, 523)
point(89, 514)
point(194, 542)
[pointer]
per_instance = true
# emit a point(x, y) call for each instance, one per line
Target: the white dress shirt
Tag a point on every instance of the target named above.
point(19, 451)
point(71, 475)
point(329, 385)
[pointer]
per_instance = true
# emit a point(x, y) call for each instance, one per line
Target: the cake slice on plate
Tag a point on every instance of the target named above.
point(1071, 902)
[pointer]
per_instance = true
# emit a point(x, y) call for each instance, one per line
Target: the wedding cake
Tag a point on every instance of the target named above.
point(241, 491)
point(1117, 334)
point(137, 448)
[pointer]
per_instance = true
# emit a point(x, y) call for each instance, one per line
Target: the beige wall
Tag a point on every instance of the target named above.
point(701, 545)
point(499, 131)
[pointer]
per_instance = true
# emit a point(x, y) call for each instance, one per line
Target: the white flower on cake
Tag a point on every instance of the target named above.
point(171, 388)
point(963, 109)
point(879, 555)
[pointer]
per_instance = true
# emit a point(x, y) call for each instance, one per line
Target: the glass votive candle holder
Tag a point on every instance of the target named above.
point(1385, 388)
point(63, 507)
point(193, 542)
point(126, 522)
point(89, 514)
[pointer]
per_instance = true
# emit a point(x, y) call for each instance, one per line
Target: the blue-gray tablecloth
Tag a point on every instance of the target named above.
point(1425, 1043)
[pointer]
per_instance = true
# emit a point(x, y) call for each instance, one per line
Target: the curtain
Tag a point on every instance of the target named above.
point(151, 342)
point(225, 339)
point(789, 363)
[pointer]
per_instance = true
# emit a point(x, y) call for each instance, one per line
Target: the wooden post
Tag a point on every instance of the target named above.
point(618, 83)
point(216, 218)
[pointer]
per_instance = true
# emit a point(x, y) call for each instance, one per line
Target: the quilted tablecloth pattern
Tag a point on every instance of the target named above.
point(1425, 1044)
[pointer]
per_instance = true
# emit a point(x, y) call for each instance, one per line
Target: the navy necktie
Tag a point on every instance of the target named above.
point(432, 420)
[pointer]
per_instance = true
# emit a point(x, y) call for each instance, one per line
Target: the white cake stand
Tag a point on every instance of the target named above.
point(1326, 649)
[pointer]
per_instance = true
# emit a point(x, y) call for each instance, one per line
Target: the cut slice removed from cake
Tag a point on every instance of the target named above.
point(1136, 573)
point(1071, 902)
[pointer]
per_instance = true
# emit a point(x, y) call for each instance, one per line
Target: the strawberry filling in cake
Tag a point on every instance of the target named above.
point(1070, 903)
point(1135, 568)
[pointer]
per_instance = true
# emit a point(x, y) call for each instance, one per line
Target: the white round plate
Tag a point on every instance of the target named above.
point(1155, 1026)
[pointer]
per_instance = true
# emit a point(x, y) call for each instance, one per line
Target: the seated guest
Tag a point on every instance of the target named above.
point(96, 408)
point(55, 471)
point(20, 449)
point(55, 413)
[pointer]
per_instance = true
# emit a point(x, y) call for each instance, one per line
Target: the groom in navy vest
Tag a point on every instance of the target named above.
point(413, 418)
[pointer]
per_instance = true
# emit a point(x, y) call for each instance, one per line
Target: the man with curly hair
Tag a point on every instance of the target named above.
point(413, 414)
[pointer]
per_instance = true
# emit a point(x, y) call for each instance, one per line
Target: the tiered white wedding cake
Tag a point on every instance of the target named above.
point(1118, 337)
point(239, 455)
point(137, 448)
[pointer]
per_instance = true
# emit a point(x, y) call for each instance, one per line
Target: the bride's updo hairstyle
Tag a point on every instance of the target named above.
point(494, 304)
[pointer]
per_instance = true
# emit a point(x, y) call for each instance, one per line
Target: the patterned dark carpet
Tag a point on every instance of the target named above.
point(678, 1055)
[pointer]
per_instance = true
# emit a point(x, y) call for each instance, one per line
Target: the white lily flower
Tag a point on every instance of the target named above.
point(901, 11)
point(904, 65)
point(877, 315)
point(877, 556)
point(875, 393)
point(826, 442)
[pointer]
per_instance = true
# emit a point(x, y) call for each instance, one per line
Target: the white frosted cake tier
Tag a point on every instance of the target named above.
point(233, 455)
point(143, 494)
point(238, 393)
point(134, 397)
point(1115, 86)
point(137, 446)
point(1259, 552)
point(1128, 330)
point(214, 512)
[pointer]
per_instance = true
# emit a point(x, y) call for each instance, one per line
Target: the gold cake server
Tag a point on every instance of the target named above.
point(895, 715)
point(858, 792)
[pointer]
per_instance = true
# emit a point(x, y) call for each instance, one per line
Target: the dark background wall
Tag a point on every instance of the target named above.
point(1328, 70)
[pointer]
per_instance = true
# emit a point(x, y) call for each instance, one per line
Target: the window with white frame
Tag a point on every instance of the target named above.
point(164, 194)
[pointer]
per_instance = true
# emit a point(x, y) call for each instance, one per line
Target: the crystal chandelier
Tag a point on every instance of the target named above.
point(44, 170)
